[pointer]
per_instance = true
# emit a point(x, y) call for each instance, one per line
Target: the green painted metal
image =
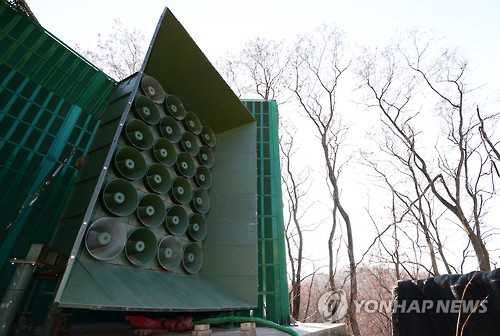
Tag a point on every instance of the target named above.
point(181, 67)
point(114, 287)
point(226, 281)
point(18, 285)
point(230, 250)
point(49, 100)
point(228, 276)
point(34, 53)
point(273, 285)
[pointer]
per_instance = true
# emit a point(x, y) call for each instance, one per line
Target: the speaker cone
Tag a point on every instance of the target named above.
point(170, 253)
point(141, 246)
point(105, 238)
point(119, 197)
point(158, 179)
point(175, 107)
point(151, 210)
point(170, 129)
point(138, 134)
point(164, 152)
point(193, 258)
point(197, 229)
point(152, 89)
point(129, 163)
point(177, 220)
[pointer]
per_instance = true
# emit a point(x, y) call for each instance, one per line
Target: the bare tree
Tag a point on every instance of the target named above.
point(259, 69)
point(452, 166)
point(234, 73)
point(317, 66)
point(296, 185)
point(22, 6)
point(490, 147)
point(295, 192)
point(409, 204)
point(376, 283)
point(119, 53)
point(266, 61)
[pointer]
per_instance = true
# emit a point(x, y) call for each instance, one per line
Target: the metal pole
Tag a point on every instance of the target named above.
point(14, 294)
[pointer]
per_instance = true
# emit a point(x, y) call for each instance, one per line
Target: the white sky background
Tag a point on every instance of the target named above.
point(222, 26)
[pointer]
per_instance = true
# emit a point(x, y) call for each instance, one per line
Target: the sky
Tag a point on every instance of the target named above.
point(220, 27)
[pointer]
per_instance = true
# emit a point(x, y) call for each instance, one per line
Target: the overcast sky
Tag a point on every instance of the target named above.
point(222, 26)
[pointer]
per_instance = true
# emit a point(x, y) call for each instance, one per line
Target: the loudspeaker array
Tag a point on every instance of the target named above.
point(155, 199)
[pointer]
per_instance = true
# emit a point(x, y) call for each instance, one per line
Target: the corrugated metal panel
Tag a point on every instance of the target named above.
point(273, 285)
point(36, 54)
point(50, 99)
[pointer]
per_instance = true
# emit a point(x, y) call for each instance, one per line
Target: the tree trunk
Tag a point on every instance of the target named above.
point(351, 310)
point(482, 254)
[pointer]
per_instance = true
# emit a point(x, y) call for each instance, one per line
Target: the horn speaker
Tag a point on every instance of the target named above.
point(197, 229)
point(208, 136)
point(189, 144)
point(181, 191)
point(193, 258)
point(141, 246)
point(146, 110)
point(170, 253)
point(152, 89)
point(185, 165)
point(170, 129)
point(206, 157)
point(203, 178)
point(164, 152)
point(138, 134)
point(200, 202)
point(177, 220)
point(175, 107)
point(158, 179)
point(119, 197)
point(151, 210)
point(192, 123)
point(105, 238)
point(129, 163)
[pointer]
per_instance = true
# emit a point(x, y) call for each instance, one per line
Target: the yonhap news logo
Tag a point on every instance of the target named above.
point(333, 306)
point(422, 306)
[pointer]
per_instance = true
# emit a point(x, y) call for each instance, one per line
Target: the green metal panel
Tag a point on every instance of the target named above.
point(34, 53)
point(226, 281)
point(84, 193)
point(41, 121)
point(39, 78)
point(230, 248)
point(120, 288)
point(34, 139)
point(273, 285)
point(181, 67)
